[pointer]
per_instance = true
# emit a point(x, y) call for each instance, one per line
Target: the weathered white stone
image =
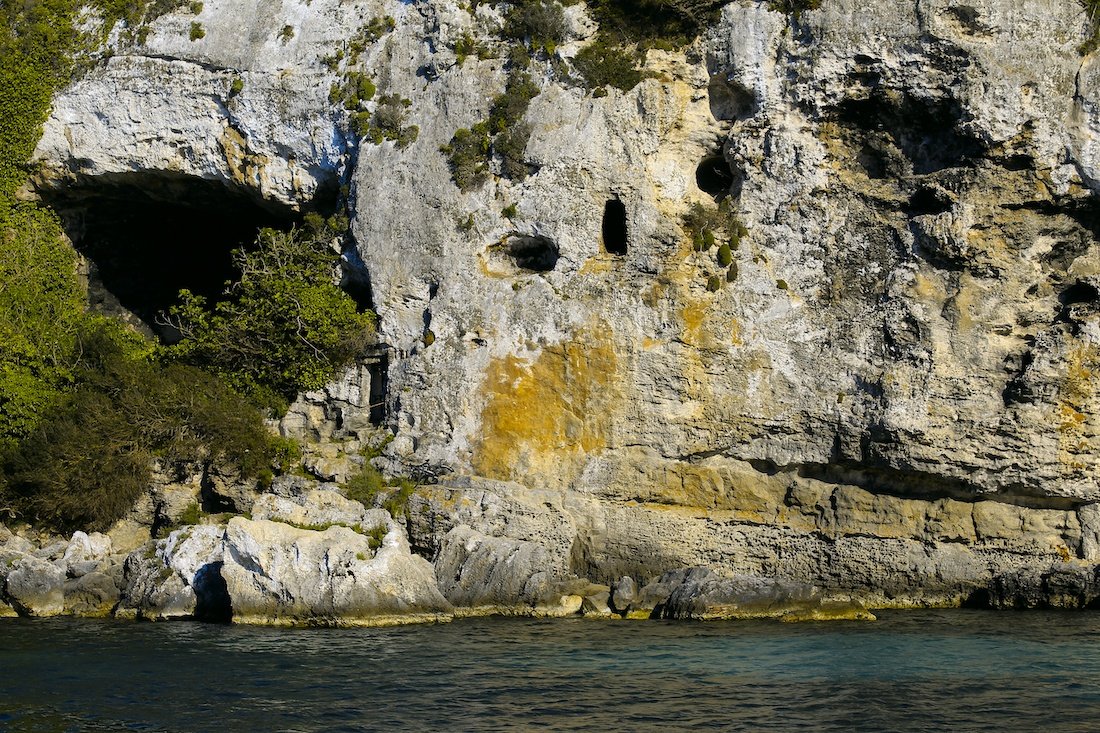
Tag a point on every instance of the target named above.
point(161, 579)
point(278, 574)
point(318, 509)
point(34, 587)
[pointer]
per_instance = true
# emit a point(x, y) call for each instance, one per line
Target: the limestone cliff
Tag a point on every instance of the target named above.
point(891, 395)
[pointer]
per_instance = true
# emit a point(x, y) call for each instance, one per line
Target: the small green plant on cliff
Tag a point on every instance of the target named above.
point(468, 156)
point(197, 31)
point(794, 8)
point(603, 64)
point(504, 135)
point(539, 24)
point(1092, 13)
point(368, 34)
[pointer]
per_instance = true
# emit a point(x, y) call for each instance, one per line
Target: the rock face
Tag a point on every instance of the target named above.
point(890, 397)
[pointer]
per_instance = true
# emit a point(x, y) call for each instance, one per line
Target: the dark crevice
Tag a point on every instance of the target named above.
point(379, 378)
point(929, 201)
point(1079, 292)
point(909, 484)
point(147, 236)
point(212, 601)
point(614, 227)
point(730, 100)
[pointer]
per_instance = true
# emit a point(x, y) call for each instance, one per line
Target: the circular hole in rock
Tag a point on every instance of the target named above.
point(714, 176)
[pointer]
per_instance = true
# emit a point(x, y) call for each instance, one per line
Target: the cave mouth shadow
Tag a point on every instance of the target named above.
point(146, 237)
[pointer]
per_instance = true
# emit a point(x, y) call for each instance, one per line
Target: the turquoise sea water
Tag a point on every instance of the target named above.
point(910, 671)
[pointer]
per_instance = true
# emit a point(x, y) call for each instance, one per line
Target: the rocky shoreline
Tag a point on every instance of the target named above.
point(310, 557)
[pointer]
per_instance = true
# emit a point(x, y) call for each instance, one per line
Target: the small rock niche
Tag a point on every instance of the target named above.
point(614, 227)
point(148, 236)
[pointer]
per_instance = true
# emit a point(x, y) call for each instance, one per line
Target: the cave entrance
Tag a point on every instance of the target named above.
point(146, 238)
point(614, 227)
point(713, 176)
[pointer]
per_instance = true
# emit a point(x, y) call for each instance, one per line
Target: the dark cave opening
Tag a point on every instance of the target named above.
point(614, 227)
point(1079, 292)
point(929, 200)
point(535, 253)
point(146, 238)
point(713, 176)
point(926, 131)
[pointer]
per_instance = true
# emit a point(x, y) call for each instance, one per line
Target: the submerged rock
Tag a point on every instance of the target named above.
point(701, 594)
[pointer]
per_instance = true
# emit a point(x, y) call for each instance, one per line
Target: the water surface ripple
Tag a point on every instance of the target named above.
point(913, 671)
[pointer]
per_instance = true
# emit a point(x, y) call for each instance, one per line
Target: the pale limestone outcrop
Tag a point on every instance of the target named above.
point(33, 586)
point(278, 574)
point(166, 109)
point(167, 579)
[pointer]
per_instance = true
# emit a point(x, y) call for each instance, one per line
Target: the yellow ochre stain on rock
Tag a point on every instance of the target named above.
point(542, 418)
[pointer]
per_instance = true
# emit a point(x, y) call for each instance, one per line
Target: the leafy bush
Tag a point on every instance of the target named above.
point(1092, 11)
point(510, 107)
point(371, 32)
point(283, 327)
point(87, 461)
point(511, 146)
point(503, 134)
point(603, 64)
point(654, 22)
point(725, 256)
point(197, 31)
point(540, 23)
point(468, 156)
point(793, 7)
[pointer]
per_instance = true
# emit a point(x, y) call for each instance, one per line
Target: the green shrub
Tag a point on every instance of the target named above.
point(725, 256)
point(731, 273)
point(510, 107)
point(511, 146)
point(654, 23)
point(603, 64)
point(794, 7)
point(286, 33)
point(714, 284)
point(782, 284)
point(90, 456)
point(369, 33)
point(1092, 11)
point(283, 327)
point(700, 220)
point(467, 46)
point(539, 23)
point(236, 87)
point(468, 155)
point(197, 31)
point(389, 115)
